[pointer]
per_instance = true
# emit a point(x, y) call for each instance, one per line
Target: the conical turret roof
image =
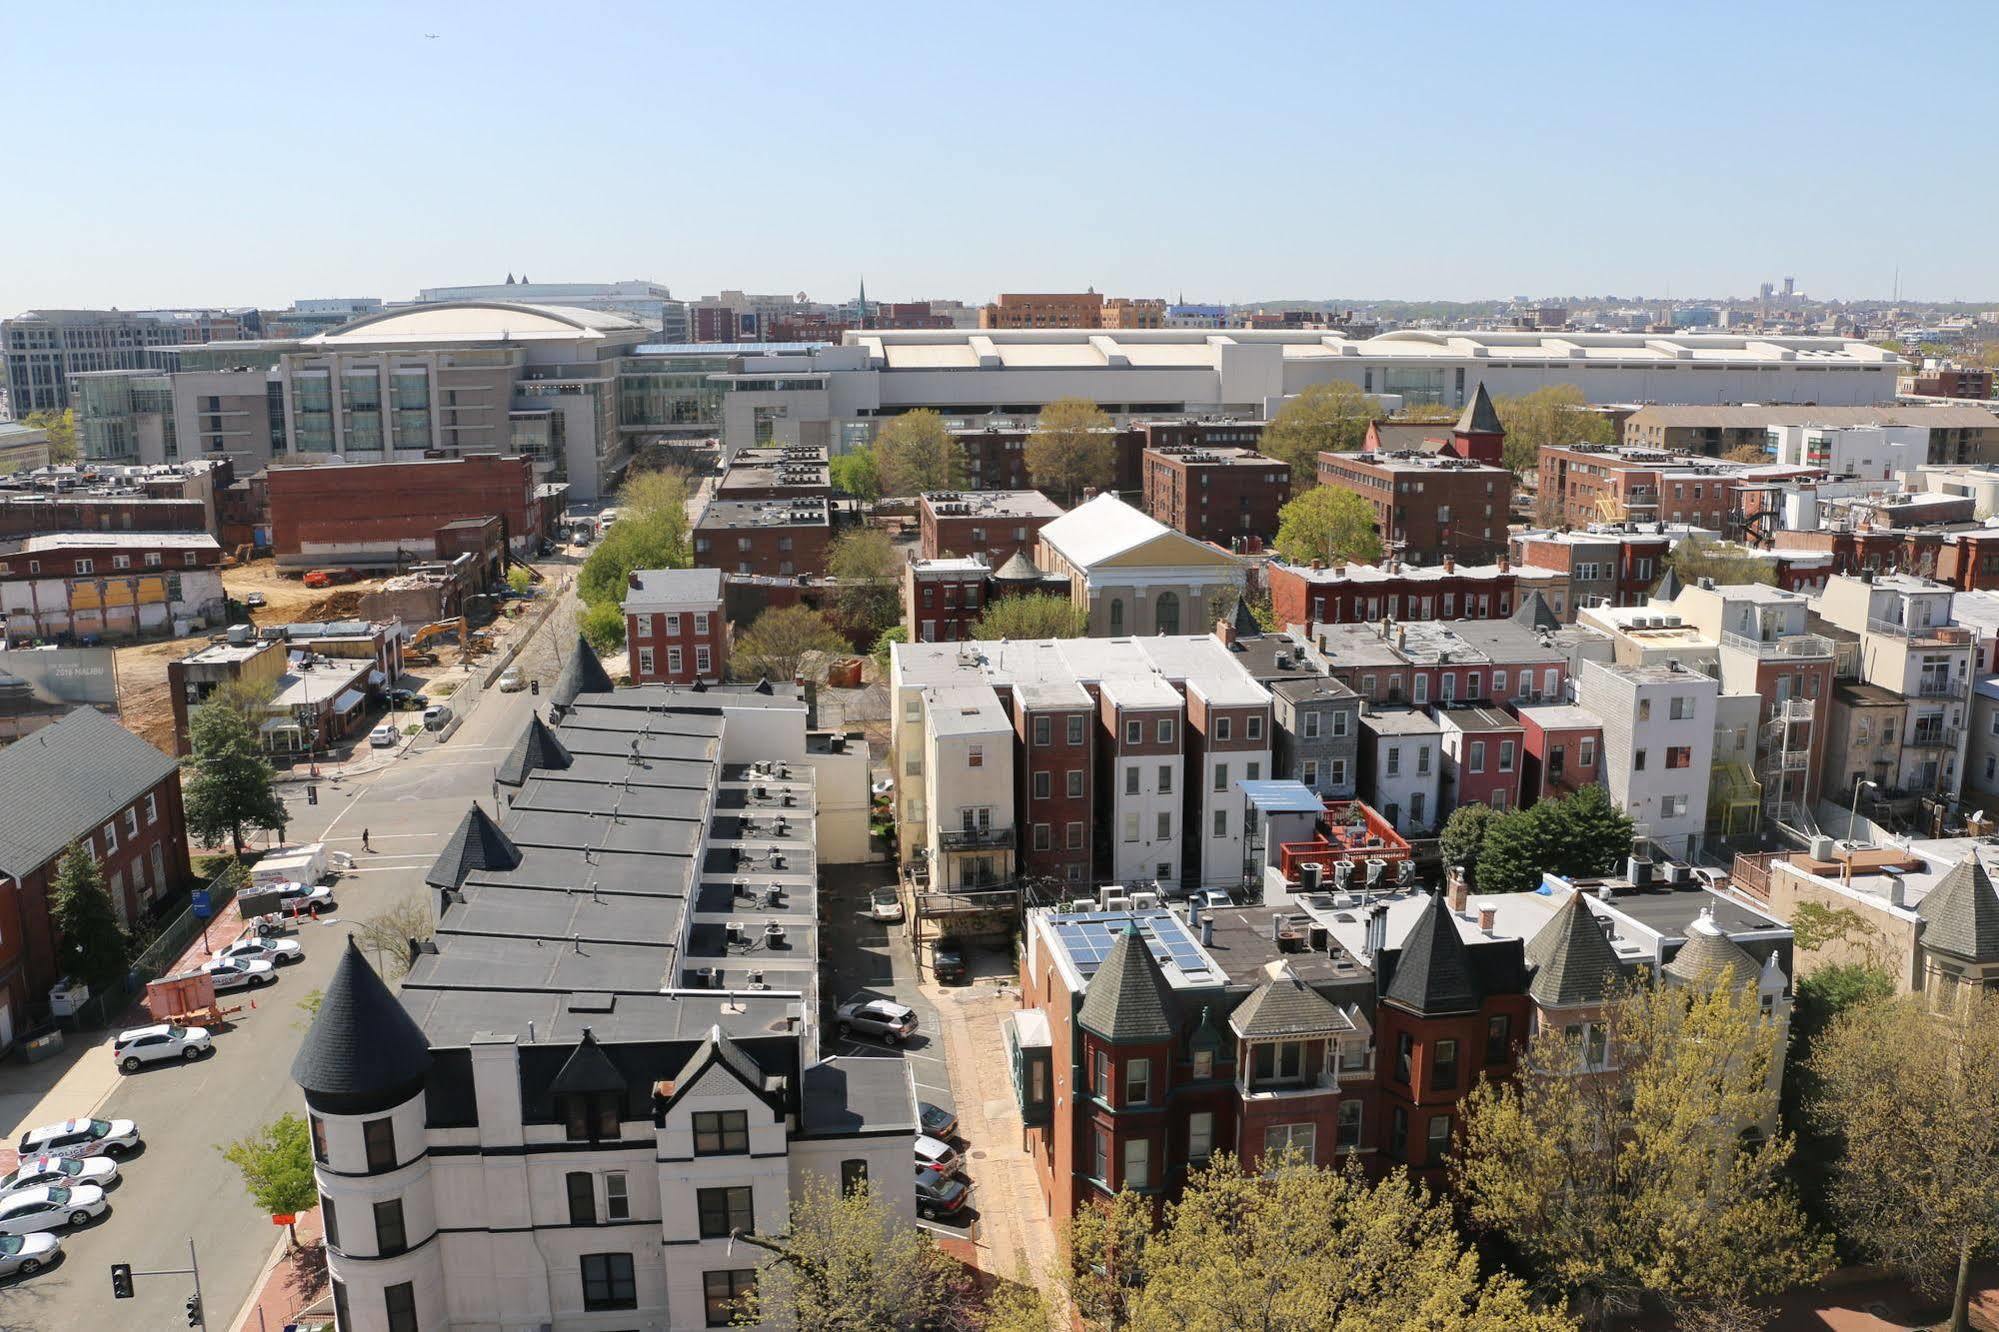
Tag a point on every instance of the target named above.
point(477, 843)
point(1535, 613)
point(1573, 962)
point(1668, 587)
point(1244, 620)
point(1434, 973)
point(1709, 957)
point(581, 674)
point(588, 1069)
point(1017, 569)
point(363, 1053)
point(1480, 416)
point(1961, 914)
point(1128, 1000)
point(538, 749)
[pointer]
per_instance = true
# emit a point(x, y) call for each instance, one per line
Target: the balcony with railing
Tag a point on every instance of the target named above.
point(1787, 645)
point(974, 839)
point(1923, 635)
point(1932, 737)
point(1933, 686)
point(1791, 711)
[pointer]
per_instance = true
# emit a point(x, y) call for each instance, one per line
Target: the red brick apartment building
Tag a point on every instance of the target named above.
point(993, 524)
point(774, 538)
point(1617, 564)
point(1953, 381)
point(943, 598)
point(1054, 731)
point(1355, 593)
point(1600, 483)
point(1428, 505)
point(795, 471)
point(386, 513)
point(675, 631)
point(84, 781)
point(1229, 496)
point(1066, 309)
point(1563, 744)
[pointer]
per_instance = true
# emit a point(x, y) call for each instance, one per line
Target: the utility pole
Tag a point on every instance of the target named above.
point(121, 1284)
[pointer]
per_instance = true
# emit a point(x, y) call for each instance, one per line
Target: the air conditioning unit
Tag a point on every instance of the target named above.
point(705, 978)
point(757, 981)
point(775, 896)
point(1144, 901)
point(1117, 902)
point(735, 928)
point(773, 933)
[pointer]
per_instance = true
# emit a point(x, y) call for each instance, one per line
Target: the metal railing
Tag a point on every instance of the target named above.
point(1793, 710)
point(1946, 688)
point(1790, 645)
point(974, 839)
point(1785, 760)
point(1932, 737)
point(1946, 635)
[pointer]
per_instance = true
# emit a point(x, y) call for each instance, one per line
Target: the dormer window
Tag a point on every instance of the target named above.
point(721, 1132)
point(590, 1116)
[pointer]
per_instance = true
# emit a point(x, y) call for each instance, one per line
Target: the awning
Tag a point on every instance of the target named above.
point(278, 724)
point(376, 677)
point(348, 701)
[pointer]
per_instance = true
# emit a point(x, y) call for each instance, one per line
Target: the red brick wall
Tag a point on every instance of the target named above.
point(1058, 809)
point(1220, 502)
point(1415, 519)
point(1298, 599)
point(104, 561)
point(767, 554)
point(663, 631)
point(994, 536)
point(381, 502)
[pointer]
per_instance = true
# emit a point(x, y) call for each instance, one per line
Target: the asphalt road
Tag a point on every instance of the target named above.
point(179, 1186)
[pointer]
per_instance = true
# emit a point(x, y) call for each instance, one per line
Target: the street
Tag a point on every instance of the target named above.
point(178, 1185)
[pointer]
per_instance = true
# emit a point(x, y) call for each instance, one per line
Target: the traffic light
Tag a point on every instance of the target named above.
point(194, 1311)
point(121, 1281)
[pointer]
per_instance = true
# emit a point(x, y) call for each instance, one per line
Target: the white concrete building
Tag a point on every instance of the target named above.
point(1908, 644)
point(606, 1063)
point(968, 790)
point(1149, 772)
point(1658, 746)
point(1872, 453)
point(1401, 767)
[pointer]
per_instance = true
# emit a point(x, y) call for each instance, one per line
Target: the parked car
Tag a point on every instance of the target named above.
point(436, 716)
point(939, 1195)
point(938, 1156)
point(303, 896)
point(883, 904)
point(937, 1121)
point(49, 1207)
point(80, 1137)
point(1210, 899)
point(384, 736)
point(158, 1042)
point(947, 960)
point(65, 1170)
point(884, 1018)
point(240, 974)
point(511, 681)
point(403, 698)
point(277, 952)
point(25, 1255)
point(253, 599)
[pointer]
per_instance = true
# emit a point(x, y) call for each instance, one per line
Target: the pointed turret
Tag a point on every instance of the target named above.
point(1573, 962)
point(1668, 587)
point(1710, 957)
point(1535, 613)
point(538, 750)
point(1128, 1001)
point(476, 844)
point(1961, 914)
point(1017, 569)
point(363, 1053)
point(1244, 620)
point(1480, 417)
point(1434, 974)
point(587, 1070)
point(581, 674)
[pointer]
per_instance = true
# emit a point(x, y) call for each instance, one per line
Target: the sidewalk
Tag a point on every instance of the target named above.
point(292, 1279)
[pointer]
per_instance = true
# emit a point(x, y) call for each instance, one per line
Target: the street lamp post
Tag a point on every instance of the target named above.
point(1853, 816)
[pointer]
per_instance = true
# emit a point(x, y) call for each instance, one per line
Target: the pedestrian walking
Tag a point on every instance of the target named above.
point(364, 841)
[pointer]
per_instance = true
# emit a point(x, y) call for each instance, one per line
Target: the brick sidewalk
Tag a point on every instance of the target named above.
point(292, 1280)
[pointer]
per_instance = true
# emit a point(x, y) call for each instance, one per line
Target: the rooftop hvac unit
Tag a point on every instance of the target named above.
point(782, 827)
point(1143, 901)
point(777, 860)
point(773, 933)
point(741, 888)
point(775, 895)
point(735, 928)
point(706, 978)
point(1118, 902)
point(757, 981)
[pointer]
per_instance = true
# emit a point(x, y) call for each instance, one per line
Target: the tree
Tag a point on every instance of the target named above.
point(651, 532)
point(866, 564)
point(1823, 995)
point(1464, 837)
point(1035, 615)
point(1912, 1096)
point(1426, 411)
point(1331, 416)
point(250, 699)
point(603, 626)
point(276, 1164)
point(1330, 524)
point(61, 430)
point(229, 786)
point(519, 580)
point(1699, 557)
point(849, 1264)
point(1646, 1177)
point(776, 645)
point(857, 473)
point(1593, 834)
point(387, 934)
point(1748, 453)
point(885, 640)
point(1106, 1247)
point(1300, 1248)
point(92, 947)
point(1017, 1305)
point(914, 453)
point(1557, 414)
point(1072, 448)
point(1581, 834)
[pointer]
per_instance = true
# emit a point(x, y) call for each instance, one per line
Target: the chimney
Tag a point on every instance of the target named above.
point(1225, 632)
point(1318, 564)
point(1450, 563)
point(1401, 635)
point(632, 580)
point(1460, 890)
point(1207, 931)
point(1488, 914)
point(1377, 930)
point(1505, 564)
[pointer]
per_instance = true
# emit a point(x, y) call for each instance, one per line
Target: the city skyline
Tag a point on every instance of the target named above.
point(943, 155)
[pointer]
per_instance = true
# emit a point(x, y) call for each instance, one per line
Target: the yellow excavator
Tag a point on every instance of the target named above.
point(470, 644)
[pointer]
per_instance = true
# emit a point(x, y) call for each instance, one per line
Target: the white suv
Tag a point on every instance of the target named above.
point(150, 1045)
point(81, 1137)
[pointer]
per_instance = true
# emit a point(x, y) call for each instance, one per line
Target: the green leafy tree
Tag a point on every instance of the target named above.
point(1330, 524)
point(1072, 448)
point(914, 453)
point(1107, 1245)
point(276, 1164)
point(603, 626)
point(652, 532)
point(1727, 564)
point(92, 948)
point(776, 646)
point(1464, 837)
point(1426, 411)
point(885, 640)
point(1035, 615)
point(1594, 834)
point(61, 430)
point(1748, 453)
point(1325, 417)
point(1643, 1176)
point(1581, 834)
point(520, 580)
point(867, 599)
point(1304, 1248)
point(849, 1264)
point(1823, 994)
point(857, 473)
point(1911, 1095)
point(1017, 1305)
point(1557, 414)
point(228, 783)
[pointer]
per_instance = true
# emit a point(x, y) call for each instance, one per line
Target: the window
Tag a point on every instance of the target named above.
point(853, 1175)
point(645, 661)
point(1638, 761)
point(110, 839)
point(1204, 1064)
point(1100, 1081)
point(1131, 827)
point(318, 1127)
point(1551, 682)
point(1134, 732)
point(723, 1211)
point(1281, 1138)
point(1498, 1039)
point(1679, 756)
point(1311, 723)
point(1137, 1163)
point(1438, 1137)
point(329, 1222)
point(701, 622)
point(608, 1282)
point(1075, 838)
point(1444, 1065)
point(1252, 772)
point(399, 1303)
point(1075, 730)
point(617, 1197)
point(721, 1132)
point(975, 756)
point(644, 624)
point(1309, 772)
point(1586, 752)
point(1166, 731)
point(83, 566)
point(1117, 616)
point(704, 661)
point(673, 660)
point(1221, 780)
point(1200, 1134)
point(1673, 806)
point(1340, 721)
point(1221, 823)
point(1398, 1134)
point(152, 809)
point(1166, 779)
point(1137, 1081)
point(390, 1236)
point(1348, 1138)
point(1498, 684)
point(1044, 838)
point(582, 1191)
point(1100, 1154)
point(1680, 708)
point(1475, 756)
point(1075, 782)
point(1394, 760)
point(589, 1116)
point(1339, 772)
point(1405, 1050)
point(380, 1137)
point(1421, 687)
point(1044, 730)
point(1043, 785)
point(1223, 727)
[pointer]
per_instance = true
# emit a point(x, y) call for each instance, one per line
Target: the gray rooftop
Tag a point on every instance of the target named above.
point(60, 783)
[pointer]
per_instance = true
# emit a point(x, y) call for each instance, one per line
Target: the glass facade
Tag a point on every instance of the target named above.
point(412, 406)
point(104, 417)
point(1416, 384)
point(678, 396)
point(362, 394)
point(312, 403)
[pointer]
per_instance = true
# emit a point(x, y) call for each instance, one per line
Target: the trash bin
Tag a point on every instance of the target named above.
point(37, 1048)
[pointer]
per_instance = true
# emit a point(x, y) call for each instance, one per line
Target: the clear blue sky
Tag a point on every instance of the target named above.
point(201, 153)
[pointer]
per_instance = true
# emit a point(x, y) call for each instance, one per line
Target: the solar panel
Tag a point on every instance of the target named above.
point(1088, 938)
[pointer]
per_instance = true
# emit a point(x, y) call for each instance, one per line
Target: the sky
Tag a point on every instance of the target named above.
point(256, 153)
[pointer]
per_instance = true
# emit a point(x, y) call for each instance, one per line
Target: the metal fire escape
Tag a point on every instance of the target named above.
point(1783, 761)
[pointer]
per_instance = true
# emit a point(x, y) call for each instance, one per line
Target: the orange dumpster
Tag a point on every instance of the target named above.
point(171, 996)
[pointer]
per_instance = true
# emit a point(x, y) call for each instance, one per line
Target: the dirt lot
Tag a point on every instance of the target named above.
point(287, 600)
